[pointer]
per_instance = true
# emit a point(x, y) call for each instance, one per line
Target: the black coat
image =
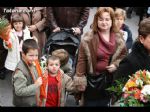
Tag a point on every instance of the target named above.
point(138, 59)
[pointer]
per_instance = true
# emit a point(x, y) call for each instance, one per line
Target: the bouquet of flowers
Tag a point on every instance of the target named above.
point(132, 92)
point(136, 91)
point(5, 31)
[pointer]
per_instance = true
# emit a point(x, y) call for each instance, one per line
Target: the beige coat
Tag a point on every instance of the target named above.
point(36, 16)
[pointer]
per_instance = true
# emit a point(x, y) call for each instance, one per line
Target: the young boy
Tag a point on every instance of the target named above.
point(120, 16)
point(65, 60)
point(58, 83)
point(27, 79)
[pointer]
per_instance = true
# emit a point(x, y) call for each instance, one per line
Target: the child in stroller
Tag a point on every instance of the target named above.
point(65, 39)
point(63, 44)
point(65, 60)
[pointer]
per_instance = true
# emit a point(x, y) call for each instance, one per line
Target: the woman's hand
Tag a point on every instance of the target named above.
point(32, 28)
point(76, 31)
point(111, 68)
point(56, 29)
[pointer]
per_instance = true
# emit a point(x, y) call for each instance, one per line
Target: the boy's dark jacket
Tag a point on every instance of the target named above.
point(138, 59)
point(129, 41)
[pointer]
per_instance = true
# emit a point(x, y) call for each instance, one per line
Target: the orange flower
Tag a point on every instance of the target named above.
point(144, 74)
point(5, 35)
point(137, 93)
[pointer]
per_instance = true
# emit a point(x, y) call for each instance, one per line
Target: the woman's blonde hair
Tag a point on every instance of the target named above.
point(120, 12)
point(99, 12)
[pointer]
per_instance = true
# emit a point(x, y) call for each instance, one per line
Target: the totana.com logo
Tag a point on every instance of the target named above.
point(18, 10)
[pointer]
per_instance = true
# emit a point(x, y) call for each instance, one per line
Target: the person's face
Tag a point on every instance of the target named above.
point(146, 42)
point(104, 21)
point(53, 66)
point(31, 56)
point(119, 21)
point(18, 26)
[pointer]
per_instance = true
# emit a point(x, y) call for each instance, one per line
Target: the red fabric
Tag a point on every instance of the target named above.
point(104, 51)
point(52, 93)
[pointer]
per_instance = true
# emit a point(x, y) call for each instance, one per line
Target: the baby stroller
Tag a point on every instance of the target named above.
point(65, 39)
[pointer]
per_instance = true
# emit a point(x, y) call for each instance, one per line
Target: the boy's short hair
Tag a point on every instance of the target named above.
point(62, 54)
point(52, 57)
point(17, 18)
point(29, 44)
point(144, 27)
point(120, 12)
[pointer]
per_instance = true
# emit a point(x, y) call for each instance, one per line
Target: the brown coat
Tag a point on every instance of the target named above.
point(87, 55)
point(35, 17)
point(88, 49)
point(67, 17)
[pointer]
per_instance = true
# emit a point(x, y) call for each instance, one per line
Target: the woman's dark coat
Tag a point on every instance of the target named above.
point(138, 59)
point(67, 17)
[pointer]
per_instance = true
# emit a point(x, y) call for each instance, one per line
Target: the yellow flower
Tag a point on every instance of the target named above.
point(130, 83)
point(148, 82)
point(148, 74)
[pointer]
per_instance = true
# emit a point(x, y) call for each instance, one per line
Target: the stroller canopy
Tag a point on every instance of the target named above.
point(62, 39)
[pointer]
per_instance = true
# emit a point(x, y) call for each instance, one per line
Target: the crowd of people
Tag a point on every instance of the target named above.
point(105, 54)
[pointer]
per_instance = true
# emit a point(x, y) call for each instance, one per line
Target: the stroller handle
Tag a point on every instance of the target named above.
point(69, 30)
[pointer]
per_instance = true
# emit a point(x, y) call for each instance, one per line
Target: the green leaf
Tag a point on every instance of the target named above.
point(3, 24)
point(117, 88)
